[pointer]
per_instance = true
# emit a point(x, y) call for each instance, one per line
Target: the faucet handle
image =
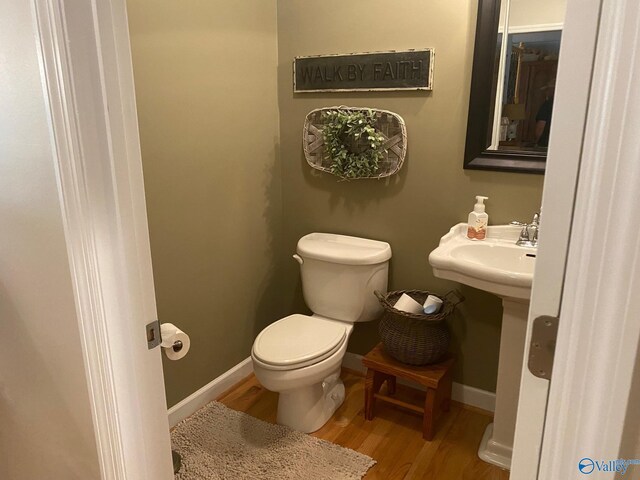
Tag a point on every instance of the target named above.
point(515, 223)
point(536, 228)
point(524, 234)
point(536, 219)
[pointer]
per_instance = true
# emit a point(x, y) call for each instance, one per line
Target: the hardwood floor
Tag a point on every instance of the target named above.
point(394, 437)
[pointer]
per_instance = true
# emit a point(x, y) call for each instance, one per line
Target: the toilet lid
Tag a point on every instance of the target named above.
point(298, 339)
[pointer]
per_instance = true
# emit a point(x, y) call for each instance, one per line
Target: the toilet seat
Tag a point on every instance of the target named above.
point(298, 341)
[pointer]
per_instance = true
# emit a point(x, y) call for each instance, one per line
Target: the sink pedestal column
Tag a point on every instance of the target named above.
point(497, 442)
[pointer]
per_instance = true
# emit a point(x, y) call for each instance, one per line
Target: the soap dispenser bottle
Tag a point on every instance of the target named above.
point(478, 220)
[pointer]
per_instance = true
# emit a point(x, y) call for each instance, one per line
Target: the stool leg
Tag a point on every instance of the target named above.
point(429, 414)
point(372, 384)
point(369, 399)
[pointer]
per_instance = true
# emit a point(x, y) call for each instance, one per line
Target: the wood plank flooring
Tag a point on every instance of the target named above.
point(394, 437)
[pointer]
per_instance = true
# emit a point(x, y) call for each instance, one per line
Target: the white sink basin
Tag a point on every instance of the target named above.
point(496, 264)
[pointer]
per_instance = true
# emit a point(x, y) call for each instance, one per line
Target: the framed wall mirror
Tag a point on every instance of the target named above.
point(515, 62)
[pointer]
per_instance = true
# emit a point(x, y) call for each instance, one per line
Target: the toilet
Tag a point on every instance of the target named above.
point(300, 356)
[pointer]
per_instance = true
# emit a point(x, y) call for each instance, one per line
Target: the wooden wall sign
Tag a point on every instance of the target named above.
point(377, 71)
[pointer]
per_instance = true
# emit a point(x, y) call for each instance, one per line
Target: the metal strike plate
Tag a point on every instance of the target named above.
point(543, 346)
point(154, 338)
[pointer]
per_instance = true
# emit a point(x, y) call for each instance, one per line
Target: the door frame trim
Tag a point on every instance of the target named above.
point(86, 69)
point(577, 52)
point(56, 72)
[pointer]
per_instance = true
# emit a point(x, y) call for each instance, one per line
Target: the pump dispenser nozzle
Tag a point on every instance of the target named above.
point(479, 206)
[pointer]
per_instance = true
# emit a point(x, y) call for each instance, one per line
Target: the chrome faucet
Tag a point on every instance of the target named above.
point(529, 233)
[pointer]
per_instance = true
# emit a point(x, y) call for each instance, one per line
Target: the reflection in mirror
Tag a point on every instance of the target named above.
point(527, 50)
point(515, 61)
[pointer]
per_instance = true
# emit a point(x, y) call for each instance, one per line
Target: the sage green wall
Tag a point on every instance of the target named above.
point(205, 74)
point(431, 193)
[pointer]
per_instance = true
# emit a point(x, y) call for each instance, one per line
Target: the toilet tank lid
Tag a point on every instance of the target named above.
point(343, 249)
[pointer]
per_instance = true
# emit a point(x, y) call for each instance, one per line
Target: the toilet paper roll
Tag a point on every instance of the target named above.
point(175, 342)
point(432, 305)
point(407, 304)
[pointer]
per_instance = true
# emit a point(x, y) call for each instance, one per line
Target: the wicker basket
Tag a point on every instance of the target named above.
point(413, 338)
point(390, 125)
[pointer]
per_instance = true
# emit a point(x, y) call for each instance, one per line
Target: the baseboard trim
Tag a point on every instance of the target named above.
point(209, 392)
point(460, 393)
point(465, 394)
point(474, 397)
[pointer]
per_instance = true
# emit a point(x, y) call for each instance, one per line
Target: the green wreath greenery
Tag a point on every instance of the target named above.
point(344, 132)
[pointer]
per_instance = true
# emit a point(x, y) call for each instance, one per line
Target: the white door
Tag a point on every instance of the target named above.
point(88, 82)
point(588, 259)
point(563, 163)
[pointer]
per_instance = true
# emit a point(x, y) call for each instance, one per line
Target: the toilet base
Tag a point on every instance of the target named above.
point(307, 409)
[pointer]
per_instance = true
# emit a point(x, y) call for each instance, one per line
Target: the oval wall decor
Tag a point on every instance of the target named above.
point(355, 142)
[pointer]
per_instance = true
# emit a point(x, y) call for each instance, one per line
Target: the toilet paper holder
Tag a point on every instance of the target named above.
point(175, 342)
point(177, 345)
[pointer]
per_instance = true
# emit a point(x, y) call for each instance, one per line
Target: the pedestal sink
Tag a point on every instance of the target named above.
point(498, 266)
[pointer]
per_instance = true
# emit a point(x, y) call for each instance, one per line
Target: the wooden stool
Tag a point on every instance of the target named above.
point(382, 367)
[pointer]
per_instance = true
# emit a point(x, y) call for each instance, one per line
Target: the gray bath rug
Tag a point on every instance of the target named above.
point(219, 443)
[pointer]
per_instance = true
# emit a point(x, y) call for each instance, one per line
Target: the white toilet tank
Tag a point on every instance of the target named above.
point(340, 273)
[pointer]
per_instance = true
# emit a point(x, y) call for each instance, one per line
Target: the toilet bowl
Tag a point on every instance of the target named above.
point(299, 356)
point(309, 391)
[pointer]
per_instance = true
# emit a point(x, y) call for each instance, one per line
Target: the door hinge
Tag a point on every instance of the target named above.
point(154, 338)
point(543, 346)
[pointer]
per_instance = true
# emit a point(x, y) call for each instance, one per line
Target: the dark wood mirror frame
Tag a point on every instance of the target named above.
point(482, 99)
